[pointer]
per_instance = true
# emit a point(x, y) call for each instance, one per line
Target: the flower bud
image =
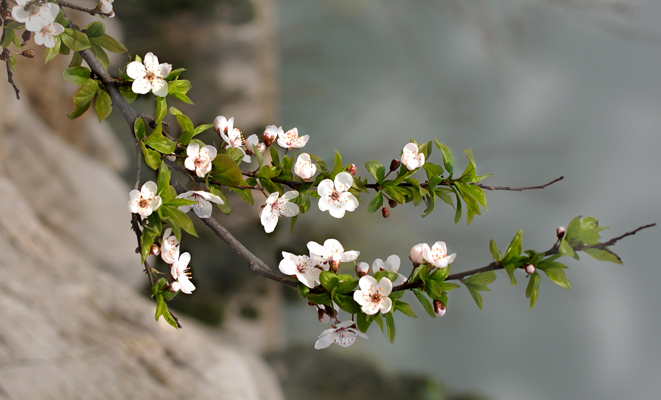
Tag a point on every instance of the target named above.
point(352, 169)
point(392, 203)
point(155, 249)
point(530, 269)
point(560, 232)
point(362, 268)
point(439, 308)
point(304, 167)
point(26, 36)
point(322, 316)
point(175, 287)
point(394, 164)
point(29, 53)
point(261, 147)
point(270, 134)
point(385, 212)
point(416, 254)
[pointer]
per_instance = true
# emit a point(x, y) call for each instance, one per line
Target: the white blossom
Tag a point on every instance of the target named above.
point(291, 140)
point(144, 201)
point(335, 196)
point(271, 133)
point(373, 296)
point(331, 253)
point(223, 125)
point(276, 207)
point(149, 75)
point(46, 35)
point(417, 253)
point(343, 334)
point(438, 256)
point(304, 167)
point(202, 207)
point(303, 267)
point(439, 308)
point(181, 274)
point(234, 138)
point(35, 16)
point(391, 264)
point(411, 158)
point(169, 247)
point(199, 160)
point(105, 6)
point(252, 143)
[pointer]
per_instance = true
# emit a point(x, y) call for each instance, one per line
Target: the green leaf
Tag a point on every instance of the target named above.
point(390, 324)
point(86, 92)
point(178, 90)
point(75, 40)
point(76, 75)
point(328, 280)
point(447, 156)
point(303, 290)
point(225, 207)
point(458, 212)
point(95, 29)
point(163, 179)
point(566, 250)
point(396, 193)
point(53, 51)
point(101, 55)
point(404, 308)
point(109, 43)
point(604, 255)
point(226, 171)
point(174, 74)
point(555, 272)
point(337, 164)
point(127, 93)
point(245, 194)
point(139, 128)
point(375, 204)
point(161, 108)
point(376, 169)
point(363, 322)
point(76, 60)
point(434, 290)
point(495, 253)
point(152, 157)
point(157, 141)
point(167, 316)
point(477, 283)
point(275, 157)
point(469, 172)
point(347, 303)
point(514, 249)
point(316, 159)
point(533, 289)
point(346, 287)
point(322, 298)
point(202, 128)
point(148, 237)
point(426, 304)
point(161, 306)
point(584, 231)
point(78, 111)
point(175, 217)
point(102, 104)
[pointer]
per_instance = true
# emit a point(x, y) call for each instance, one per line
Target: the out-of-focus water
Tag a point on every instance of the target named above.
point(536, 90)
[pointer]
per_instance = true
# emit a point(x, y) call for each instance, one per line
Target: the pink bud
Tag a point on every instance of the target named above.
point(29, 53)
point(352, 169)
point(439, 308)
point(416, 253)
point(385, 212)
point(323, 317)
point(394, 164)
point(560, 232)
point(529, 268)
point(392, 203)
point(270, 134)
point(155, 250)
point(362, 268)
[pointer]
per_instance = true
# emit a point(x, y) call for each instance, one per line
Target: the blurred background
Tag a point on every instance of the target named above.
point(536, 88)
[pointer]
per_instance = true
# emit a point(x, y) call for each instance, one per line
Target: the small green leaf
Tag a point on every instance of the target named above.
point(390, 324)
point(109, 43)
point(157, 141)
point(328, 280)
point(86, 92)
point(226, 171)
point(102, 104)
point(76, 75)
point(337, 164)
point(604, 255)
point(303, 290)
point(426, 304)
point(477, 283)
point(469, 172)
point(95, 29)
point(175, 217)
point(322, 298)
point(161, 109)
point(167, 316)
point(75, 40)
point(532, 291)
point(376, 169)
point(178, 90)
point(127, 93)
point(53, 51)
point(101, 55)
point(152, 157)
point(493, 248)
point(375, 204)
point(347, 303)
point(346, 287)
point(514, 249)
point(139, 128)
point(161, 306)
point(447, 156)
point(555, 272)
point(363, 322)
point(566, 250)
point(163, 179)
point(404, 308)
point(78, 111)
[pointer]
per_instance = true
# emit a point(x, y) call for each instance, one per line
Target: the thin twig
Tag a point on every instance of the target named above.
point(519, 189)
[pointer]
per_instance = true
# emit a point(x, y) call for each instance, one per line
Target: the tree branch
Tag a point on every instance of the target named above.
point(519, 189)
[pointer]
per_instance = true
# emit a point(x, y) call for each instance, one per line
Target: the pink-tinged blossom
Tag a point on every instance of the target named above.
point(105, 6)
point(438, 256)
point(34, 15)
point(411, 158)
point(530, 269)
point(362, 268)
point(199, 160)
point(46, 35)
point(331, 253)
point(291, 140)
point(391, 264)
point(271, 133)
point(439, 308)
point(202, 207)
point(223, 125)
point(181, 274)
point(277, 207)
point(335, 196)
point(149, 75)
point(343, 334)
point(169, 247)
point(252, 143)
point(417, 253)
point(373, 296)
point(234, 138)
point(303, 267)
point(304, 167)
point(144, 201)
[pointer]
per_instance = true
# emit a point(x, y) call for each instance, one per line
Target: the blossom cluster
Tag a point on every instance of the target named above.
point(39, 18)
point(179, 269)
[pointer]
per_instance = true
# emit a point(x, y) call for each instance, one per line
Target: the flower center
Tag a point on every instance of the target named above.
point(376, 297)
point(335, 196)
point(143, 203)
